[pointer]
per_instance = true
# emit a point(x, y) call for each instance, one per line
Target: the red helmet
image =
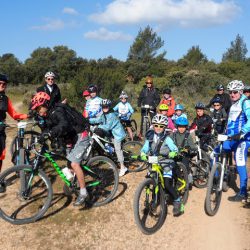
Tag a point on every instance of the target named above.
point(85, 93)
point(40, 98)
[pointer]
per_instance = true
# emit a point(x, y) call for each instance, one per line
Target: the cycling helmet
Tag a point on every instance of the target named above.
point(50, 74)
point(235, 85)
point(200, 105)
point(246, 89)
point(160, 119)
point(123, 95)
point(163, 107)
point(106, 103)
point(92, 88)
point(167, 91)
point(216, 100)
point(220, 87)
point(178, 107)
point(85, 93)
point(181, 121)
point(4, 78)
point(40, 98)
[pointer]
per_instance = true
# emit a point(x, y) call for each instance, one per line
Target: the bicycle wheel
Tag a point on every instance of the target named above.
point(201, 174)
point(132, 148)
point(213, 196)
point(150, 207)
point(22, 207)
point(102, 180)
point(181, 182)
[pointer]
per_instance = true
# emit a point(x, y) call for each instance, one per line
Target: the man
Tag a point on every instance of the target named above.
point(6, 107)
point(224, 97)
point(51, 88)
point(148, 96)
point(238, 130)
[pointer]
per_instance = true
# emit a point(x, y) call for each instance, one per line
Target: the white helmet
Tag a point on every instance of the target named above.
point(123, 95)
point(50, 74)
point(235, 85)
point(160, 119)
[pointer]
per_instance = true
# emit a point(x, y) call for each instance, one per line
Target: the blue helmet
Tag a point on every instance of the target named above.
point(181, 121)
point(178, 107)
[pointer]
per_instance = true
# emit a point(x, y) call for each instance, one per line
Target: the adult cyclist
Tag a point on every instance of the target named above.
point(238, 129)
point(148, 96)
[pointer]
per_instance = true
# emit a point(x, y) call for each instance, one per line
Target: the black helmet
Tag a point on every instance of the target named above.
point(200, 105)
point(106, 103)
point(167, 91)
point(4, 78)
point(246, 88)
point(216, 100)
point(220, 87)
point(92, 88)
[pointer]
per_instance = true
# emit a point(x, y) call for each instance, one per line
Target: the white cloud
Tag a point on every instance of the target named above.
point(106, 35)
point(185, 13)
point(69, 11)
point(51, 25)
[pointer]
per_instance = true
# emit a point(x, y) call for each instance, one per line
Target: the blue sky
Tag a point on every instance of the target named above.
point(97, 29)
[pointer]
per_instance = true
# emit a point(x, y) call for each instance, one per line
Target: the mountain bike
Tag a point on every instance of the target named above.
point(102, 145)
point(146, 120)
point(151, 198)
point(20, 206)
point(219, 179)
point(133, 128)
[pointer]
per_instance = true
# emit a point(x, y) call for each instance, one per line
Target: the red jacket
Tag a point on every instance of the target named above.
point(171, 104)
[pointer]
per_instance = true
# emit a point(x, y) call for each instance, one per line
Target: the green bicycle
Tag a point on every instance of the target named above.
point(151, 198)
point(20, 206)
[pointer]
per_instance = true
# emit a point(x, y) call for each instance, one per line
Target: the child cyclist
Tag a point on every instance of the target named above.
point(159, 143)
point(109, 122)
point(178, 112)
point(125, 111)
point(163, 109)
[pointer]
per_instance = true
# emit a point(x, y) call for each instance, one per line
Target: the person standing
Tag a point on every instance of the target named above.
point(148, 96)
point(169, 100)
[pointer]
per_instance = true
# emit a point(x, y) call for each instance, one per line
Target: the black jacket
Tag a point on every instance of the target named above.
point(55, 95)
point(149, 96)
point(204, 124)
point(225, 101)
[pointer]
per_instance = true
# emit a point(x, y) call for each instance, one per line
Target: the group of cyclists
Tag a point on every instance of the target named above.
point(168, 134)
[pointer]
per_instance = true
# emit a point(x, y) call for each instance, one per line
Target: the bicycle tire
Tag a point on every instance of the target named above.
point(144, 126)
point(28, 132)
point(201, 176)
point(132, 148)
point(178, 182)
point(148, 188)
point(212, 189)
point(27, 207)
point(108, 177)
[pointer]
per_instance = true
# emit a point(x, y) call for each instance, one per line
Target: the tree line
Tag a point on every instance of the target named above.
point(191, 78)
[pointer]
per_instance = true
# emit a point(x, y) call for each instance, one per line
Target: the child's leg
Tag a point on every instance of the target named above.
point(130, 133)
point(119, 152)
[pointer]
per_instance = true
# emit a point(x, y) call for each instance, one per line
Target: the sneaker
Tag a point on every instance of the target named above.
point(2, 188)
point(123, 171)
point(178, 208)
point(237, 198)
point(80, 200)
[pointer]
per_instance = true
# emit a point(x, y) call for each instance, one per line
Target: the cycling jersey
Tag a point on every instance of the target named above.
point(124, 110)
point(93, 107)
point(175, 116)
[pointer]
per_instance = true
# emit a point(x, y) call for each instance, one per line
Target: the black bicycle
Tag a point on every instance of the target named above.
point(21, 206)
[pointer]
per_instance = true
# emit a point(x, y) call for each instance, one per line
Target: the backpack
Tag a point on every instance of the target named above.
point(76, 119)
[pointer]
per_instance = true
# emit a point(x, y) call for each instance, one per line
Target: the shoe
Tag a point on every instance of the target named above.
point(80, 200)
point(178, 208)
point(2, 188)
point(237, 198)
point(123, 171)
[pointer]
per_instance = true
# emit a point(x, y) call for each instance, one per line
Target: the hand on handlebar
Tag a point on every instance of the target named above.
point(44, 137)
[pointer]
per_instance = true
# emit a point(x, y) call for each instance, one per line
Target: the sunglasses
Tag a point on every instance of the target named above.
point(149, 83)
point(159, 126)
point(3, 83)
point(233, 92)
point(50, 79)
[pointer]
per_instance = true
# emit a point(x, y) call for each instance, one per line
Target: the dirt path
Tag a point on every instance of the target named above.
point(113, 226)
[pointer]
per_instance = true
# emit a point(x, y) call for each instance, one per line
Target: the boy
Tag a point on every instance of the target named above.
point(169, 100)
point(125, 111)
point(178, 109)
point(159, 143)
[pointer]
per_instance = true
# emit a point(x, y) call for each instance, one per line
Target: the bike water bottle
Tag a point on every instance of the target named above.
point(109, 148)
point(67, 173)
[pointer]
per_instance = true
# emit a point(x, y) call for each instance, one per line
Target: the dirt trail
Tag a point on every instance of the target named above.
point(113, 226)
